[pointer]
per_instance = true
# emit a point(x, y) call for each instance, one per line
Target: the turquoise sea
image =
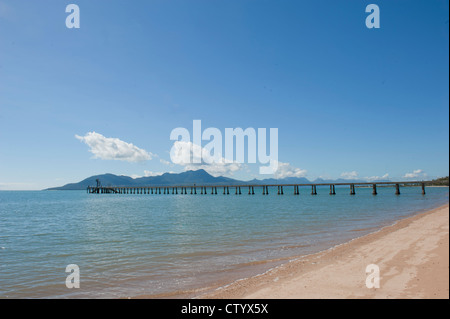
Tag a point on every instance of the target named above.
point(131, 245)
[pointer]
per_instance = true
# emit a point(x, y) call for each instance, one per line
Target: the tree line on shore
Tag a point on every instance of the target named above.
point(441, 181)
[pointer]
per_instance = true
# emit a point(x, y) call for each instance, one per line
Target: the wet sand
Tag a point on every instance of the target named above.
point(412, 256)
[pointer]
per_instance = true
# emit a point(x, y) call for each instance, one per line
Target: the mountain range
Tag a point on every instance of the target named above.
point(199, 177)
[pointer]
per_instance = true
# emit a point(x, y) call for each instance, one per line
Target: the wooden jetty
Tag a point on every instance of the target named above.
point(240, 189)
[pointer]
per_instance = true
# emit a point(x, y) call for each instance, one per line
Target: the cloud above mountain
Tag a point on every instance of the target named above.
point(110, 148)
point(195, 157)
point(287, 170)
point(350, 175)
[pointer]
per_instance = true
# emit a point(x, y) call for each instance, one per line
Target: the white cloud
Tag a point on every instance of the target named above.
point(108, 148)
point(287, 170)
point(349, 175)
point(187, 154)
point(150, 173)
point(376, 178)
point(163, 161)
point(418, 173)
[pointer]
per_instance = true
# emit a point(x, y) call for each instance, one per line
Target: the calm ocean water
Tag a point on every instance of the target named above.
point(129, 245)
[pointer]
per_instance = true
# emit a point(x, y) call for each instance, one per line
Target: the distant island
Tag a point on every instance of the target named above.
point(199, 177)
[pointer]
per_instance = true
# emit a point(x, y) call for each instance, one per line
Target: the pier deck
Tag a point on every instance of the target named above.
point(240, 189)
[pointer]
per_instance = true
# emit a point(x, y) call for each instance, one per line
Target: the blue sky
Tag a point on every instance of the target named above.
point(348, 101)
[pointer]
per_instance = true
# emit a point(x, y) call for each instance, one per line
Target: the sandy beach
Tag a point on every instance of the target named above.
point(412, 256)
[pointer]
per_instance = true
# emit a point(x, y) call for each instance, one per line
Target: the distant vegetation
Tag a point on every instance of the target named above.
point(441, 181)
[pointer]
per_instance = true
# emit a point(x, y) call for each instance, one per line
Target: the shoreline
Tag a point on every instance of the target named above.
point(412, 255)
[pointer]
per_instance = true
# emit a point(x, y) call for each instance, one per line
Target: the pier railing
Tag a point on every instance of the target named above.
point(241, 189)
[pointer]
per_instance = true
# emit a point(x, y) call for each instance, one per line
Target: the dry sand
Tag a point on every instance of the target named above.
point(412, 256)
